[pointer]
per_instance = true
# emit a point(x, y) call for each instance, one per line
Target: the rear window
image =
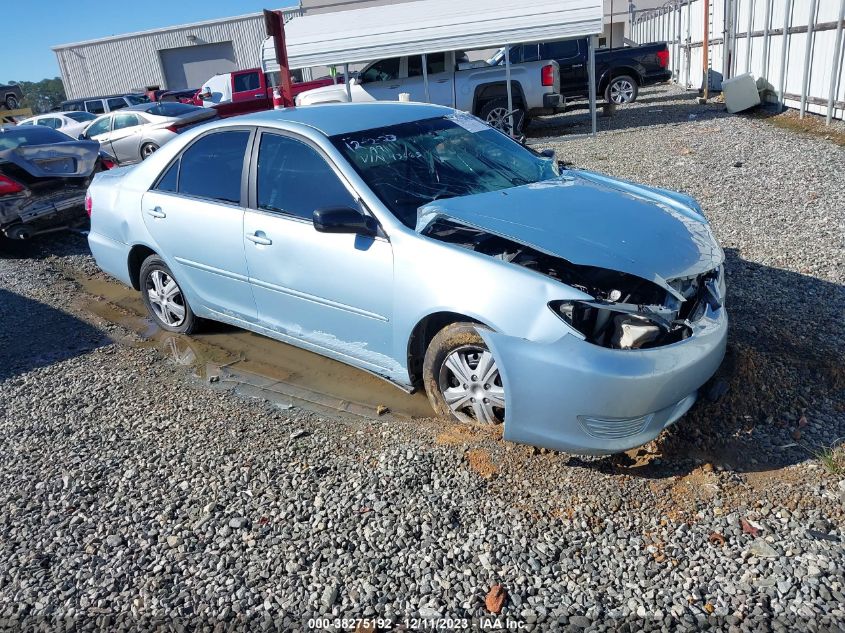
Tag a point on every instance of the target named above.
point(80, 117)
point(247, 81)
point(212, 166)
point(168, 108)
point(96, 106)
point(12, 137)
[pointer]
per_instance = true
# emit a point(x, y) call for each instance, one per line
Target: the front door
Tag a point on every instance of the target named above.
point(334, 291)
point(440, 68)
point(380, 81)
point(195, 216)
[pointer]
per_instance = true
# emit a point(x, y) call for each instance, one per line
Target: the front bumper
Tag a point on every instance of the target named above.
point(577, 397)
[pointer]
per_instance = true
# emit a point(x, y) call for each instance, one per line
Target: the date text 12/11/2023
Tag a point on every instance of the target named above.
point(486, 623)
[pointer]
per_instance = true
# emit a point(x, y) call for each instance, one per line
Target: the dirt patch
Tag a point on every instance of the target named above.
point(481, 463)
point(810, 125)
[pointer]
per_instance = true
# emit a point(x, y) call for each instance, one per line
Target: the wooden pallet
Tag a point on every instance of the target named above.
point(11, 116)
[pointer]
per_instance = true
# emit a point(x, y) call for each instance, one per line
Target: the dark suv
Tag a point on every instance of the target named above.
point(101, 105)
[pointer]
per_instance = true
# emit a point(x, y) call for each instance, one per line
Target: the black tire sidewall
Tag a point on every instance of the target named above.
point(153, 263)
point(12, 103)
point(444, 342)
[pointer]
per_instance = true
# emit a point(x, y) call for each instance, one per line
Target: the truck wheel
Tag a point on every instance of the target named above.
point(494, 113)
point(12, 102)
point(621, 89)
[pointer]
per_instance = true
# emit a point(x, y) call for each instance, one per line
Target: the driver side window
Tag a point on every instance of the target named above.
point(384, 70)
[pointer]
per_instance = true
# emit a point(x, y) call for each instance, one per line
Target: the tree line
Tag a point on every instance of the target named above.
point(41, 96)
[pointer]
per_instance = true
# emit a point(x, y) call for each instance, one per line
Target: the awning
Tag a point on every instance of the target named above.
point(432, 26)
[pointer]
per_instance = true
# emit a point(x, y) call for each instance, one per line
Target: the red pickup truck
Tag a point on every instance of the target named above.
point(247, 90)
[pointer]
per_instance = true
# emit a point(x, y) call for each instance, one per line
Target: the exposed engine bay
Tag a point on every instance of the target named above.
point(625, 312)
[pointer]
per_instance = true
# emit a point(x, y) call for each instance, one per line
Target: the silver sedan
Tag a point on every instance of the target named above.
point(132, 134)
point(417, 243)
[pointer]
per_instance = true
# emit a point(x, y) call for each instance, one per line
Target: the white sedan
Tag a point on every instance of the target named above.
point(70, 123)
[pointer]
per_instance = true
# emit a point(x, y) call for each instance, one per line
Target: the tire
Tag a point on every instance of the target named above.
point(12, 102)
point(450, 374)
point(147, 150)
point(622, 89)
point(492, 112)
point(168, 307)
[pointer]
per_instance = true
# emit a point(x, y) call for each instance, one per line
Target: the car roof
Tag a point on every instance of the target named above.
point(341, 118)
point(124, 94)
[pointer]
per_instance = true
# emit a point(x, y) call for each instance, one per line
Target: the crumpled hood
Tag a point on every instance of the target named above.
point(593, 220)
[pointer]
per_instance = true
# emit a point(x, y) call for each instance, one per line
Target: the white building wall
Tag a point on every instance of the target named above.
point(131, 62)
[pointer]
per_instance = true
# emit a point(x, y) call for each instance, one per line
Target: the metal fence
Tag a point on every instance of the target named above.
point(794, 48)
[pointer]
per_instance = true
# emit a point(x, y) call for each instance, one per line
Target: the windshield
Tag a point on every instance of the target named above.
point(137, 99)
point(412, 164)
point(80, 117)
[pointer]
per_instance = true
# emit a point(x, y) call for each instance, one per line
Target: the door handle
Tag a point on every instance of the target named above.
point(259, 237)
point(395, 86)
point(156, 212)
point(577, 65)
point(442, 81)
point(260, 96)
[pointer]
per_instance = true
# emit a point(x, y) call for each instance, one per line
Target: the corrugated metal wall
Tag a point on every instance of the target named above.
point(131, 62)
point(730, 21)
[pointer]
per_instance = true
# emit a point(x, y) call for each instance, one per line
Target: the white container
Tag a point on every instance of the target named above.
point(404, 97)
point(740, 93)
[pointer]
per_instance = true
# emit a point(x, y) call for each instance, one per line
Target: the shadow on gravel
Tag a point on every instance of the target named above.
point(60, 244)
point(36, 335)
point(778, 398)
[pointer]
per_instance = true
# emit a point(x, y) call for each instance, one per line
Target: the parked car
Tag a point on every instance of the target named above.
point(11, 96)
point(477, 87)
point(133, 134)
point(70, 123)
point(581, 311)
point(245, 91)
point(43, 178)
point(182, 96)
point(620, 72)
point(101, 105)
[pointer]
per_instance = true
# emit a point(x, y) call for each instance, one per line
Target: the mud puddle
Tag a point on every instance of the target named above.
point(257, 365)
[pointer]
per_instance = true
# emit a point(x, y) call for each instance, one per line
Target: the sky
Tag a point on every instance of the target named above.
point(32, 28)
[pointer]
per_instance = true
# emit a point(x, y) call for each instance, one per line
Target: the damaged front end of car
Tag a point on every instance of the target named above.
point(619, 310)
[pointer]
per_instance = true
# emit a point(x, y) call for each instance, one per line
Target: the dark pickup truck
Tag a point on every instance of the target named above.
point(619, 71)
point(10, 97)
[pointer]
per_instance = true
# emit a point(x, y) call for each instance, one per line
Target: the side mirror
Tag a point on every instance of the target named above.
point(344, 220)
point(547, 153)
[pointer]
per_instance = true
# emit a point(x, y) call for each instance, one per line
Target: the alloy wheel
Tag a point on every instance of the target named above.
point(621, 91)
point(472, 386)
point(148, 150)
point(166, 298)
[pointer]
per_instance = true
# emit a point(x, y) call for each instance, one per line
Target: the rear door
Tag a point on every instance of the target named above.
point(195, 217)
point(125, 138)
point(440, 68)
point(572, 61)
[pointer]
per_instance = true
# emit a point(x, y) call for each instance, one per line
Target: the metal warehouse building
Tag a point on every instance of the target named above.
point(176, 57)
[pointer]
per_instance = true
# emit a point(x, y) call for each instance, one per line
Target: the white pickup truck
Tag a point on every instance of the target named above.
point(475, 87)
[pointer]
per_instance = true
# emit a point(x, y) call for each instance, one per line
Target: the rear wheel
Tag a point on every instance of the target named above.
point(164, 299)
point(495, 113)
point(461, 377)
point(147, 150)
point(621, 89)
point(12, 102)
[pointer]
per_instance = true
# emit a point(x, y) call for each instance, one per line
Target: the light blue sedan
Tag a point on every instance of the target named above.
point(416, 243)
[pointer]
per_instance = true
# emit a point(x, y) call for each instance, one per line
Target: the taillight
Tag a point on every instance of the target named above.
point(89, 204)
point(172, 128)
point(548, 75)
point(9, 186)
point(108, 164)
point(663, 58)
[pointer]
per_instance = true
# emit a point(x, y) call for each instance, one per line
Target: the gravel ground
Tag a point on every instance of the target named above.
point(132, 493)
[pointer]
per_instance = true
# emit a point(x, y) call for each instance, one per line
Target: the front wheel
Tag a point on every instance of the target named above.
point(495, 112)
point(461, 377)
point(164, 299)
point(12, 102)
point(622, 89)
